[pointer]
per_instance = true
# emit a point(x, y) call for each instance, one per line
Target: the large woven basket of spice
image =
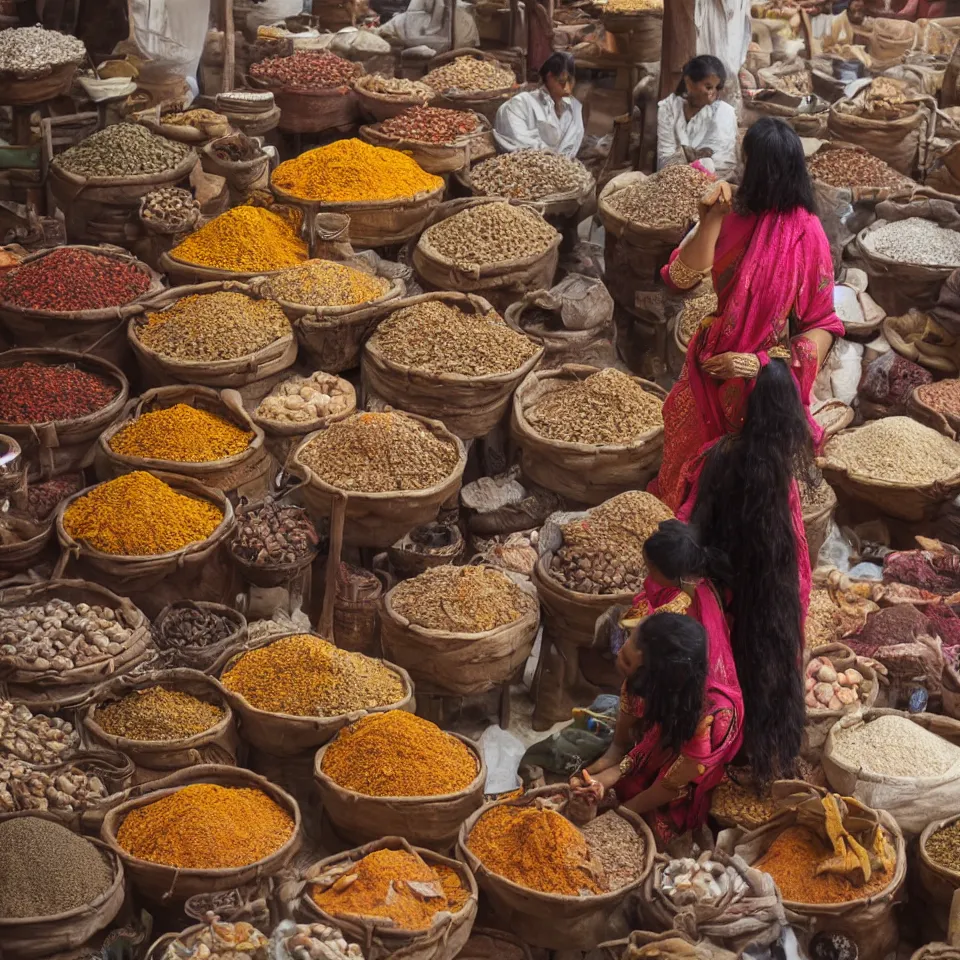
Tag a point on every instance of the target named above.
point(165, 721)
point(396, 774)
point(851, 168)
point(448, 356)
point(60, 889)
point(201, 830)
point(938, 406)
point(586, 433)
point(394, 470)
point(582, 881)
point(55, 403)
point(496, 248)
point(183, 338)
point(333, 306)
point(387, 196)
point(293, 693)
point(471, 79)
point(900, 466)
point(383, 97)
point(461, 630)
point(441, 141)
point(195, 431)
point(381, 910)
point(938, 861)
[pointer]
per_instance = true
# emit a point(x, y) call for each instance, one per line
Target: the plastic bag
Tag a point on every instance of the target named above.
point(170, 33)
point(502, 753)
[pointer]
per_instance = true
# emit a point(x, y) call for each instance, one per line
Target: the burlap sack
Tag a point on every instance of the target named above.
point(158, 883)
point(912, 801)
point(432, 822)
point(939, 883)
point(489, 944)
point(548, 920)
point(672, 945)
point(32, 938)
point(439, 158)
point(380, 939)
point(247, 474)
point(286, 735)
point(154, 758)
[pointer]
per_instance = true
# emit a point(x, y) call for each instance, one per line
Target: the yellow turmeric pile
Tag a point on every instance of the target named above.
point(206, 827)
point(351, 170)
point(379, 886)
point(245, 240)
point(182, 434)
point(138, 515)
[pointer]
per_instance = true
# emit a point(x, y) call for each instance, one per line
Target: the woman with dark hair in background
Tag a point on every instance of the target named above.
point(695, 124)
point(681, 711)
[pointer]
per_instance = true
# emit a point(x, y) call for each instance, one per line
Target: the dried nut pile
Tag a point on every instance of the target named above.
point(430, 124)
point(489, 233)
point(323, 283)
point(943, 846)
point(192, 627)
point(827, 688)
point(440, 338)
point(668, 198)
point(306, 69)
point(823, 623)
point(943, 396)
point(48, 869)
point(897, 747)
point(44, 498)
point(158, 714)
point(461, 599)
point(916, 240)
point(854, 168)
point(60, 636)
point(380, 452)
point(617, 847)
point(529, 175)
point(604, 552)
point(122, 150)
point(193, 118)
point(170, 206)
point(220, 941)
point(311, 941)
point(304, 676)
point(633, 6)
point(740, 805)
point(214, 326)
point(688, 881)
point(237, 149)
point(307, 399)
point(396, 87)
point(23, 787)
point(695, 309)
point(814, 495)
point(608, 407)
point(34, 738)
point(272, 533)
point(180, 434)
point(469, 74)
point(897, 450)
point(30, 51)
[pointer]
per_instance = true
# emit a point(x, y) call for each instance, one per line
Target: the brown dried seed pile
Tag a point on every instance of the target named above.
point(823, 623)
point(741, 805)
point(461, 599)
point(694, 310)
point(943, 396)
point(489, 233)
point(607, 407)
point(617, 846)
point(603, 553)
point(669, 197)
point(24, 787)
point(851, 168)
point(440, 338)
point(157, 713)
point(380, 452)
point(898, 450)
point(814, 496)
point(468, 73)
point(529, 175)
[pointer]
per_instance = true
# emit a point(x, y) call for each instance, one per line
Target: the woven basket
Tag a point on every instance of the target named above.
point(383, 106)
point(438, 158)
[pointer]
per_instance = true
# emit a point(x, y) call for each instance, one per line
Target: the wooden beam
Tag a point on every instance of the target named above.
point(678, 42)
point(229, 48)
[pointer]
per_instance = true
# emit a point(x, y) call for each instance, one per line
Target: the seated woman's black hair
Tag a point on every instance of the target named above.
point(558, 64)
point(675, 550)
point(775, 176)
point(698, 69)
point(672, 676)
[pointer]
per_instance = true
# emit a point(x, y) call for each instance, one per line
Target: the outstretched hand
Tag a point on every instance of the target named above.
point(716, 203)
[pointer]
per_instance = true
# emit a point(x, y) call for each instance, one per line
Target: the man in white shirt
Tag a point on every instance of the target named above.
point(549, 118)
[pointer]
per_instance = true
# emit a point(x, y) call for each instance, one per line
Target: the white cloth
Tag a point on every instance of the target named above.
point(424, 23)
point(529, 121)
point(713, 127)
point(724, 30)
point(171, 33)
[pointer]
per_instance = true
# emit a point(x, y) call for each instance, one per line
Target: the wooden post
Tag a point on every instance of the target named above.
point(678, 43)
point(452, 13)
point(229, 48)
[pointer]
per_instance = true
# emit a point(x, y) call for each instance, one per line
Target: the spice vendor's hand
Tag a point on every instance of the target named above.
point(716, 203)
point(728, 366)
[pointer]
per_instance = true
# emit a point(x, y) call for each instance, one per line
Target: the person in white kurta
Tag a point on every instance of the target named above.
point(548, 118)
point(694, 123)
point(724, 30)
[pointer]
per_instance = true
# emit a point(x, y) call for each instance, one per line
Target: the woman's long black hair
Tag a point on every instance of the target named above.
point(699, 68)
point(775, 176)
point(674, 548)
point(743, 508)
point(672, 677)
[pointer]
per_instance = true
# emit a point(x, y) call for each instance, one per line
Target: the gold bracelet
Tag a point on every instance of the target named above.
point(779, 353)
point(684, 277)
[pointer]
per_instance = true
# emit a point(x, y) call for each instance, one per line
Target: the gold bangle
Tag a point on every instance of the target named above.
point(779, 353)
point(684, 277)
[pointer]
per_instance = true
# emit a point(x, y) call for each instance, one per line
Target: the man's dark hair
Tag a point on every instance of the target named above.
point(557, 64)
